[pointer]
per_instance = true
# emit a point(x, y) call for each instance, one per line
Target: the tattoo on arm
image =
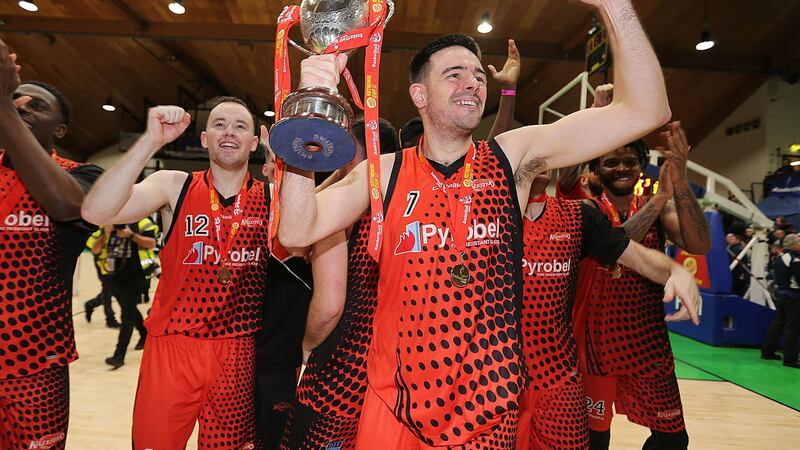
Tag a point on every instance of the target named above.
point(691, 218)
point(528, 170)
point(636, 227)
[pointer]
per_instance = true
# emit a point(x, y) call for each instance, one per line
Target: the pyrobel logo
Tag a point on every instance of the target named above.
point(554, 268)
point(48, 441)
point(417, 235)
point(25, 220)
point(200, 253)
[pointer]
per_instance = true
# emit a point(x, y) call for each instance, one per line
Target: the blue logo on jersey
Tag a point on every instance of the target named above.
point(410, 240)
point(195, 255)
point(335, 445)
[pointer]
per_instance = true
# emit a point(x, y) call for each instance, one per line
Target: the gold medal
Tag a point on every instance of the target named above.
point(459, 274)
point(224, 275)
point(617, 273)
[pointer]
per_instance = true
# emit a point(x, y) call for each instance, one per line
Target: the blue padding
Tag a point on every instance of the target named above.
point(726, 320)
point(289, 136)
point(717, 257)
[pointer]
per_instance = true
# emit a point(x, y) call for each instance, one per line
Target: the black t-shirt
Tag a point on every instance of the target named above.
point(123, 263)
point(601, 239)
point(279, 344)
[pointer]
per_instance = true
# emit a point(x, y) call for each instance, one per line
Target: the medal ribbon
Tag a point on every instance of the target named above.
point(290, 16)
point(216, 216)
point(615, 219)
point(459, 221)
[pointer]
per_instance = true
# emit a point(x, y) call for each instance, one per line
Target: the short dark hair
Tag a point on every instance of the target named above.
point(411, 132)
point(419, 62)
point(63, 104)
point(388, 135)
point(639, 146)
point(231, 99)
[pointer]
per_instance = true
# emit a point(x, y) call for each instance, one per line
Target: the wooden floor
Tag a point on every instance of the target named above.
point(719, 415)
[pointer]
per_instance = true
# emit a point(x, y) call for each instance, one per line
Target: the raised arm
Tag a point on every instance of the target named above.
point(507, 79)
point(639, 105)
point(54, 188)
point(329, 269)
point(568, 177)
point(305, 217)
point(677, 281)
point(115, 198)
point(683, 219)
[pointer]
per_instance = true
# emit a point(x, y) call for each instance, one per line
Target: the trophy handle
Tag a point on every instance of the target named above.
point(389, 15)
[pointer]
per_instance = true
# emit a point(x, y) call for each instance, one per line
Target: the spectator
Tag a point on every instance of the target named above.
point(128, 257)
point(95, 245)
point(741, 278)
point(787, 305)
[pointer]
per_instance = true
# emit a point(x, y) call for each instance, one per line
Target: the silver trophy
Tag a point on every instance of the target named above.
point(314, 132)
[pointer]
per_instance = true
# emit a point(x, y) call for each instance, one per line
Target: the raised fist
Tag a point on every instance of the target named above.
point(166, 123)
point(322, 70)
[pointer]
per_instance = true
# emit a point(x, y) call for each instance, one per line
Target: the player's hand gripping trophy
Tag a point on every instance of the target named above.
point(314, 130)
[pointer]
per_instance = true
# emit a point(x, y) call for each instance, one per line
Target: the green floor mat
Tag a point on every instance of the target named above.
point(740, 366)
point(686, 372)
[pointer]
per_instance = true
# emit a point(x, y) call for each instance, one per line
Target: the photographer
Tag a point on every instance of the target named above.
point(128, 258)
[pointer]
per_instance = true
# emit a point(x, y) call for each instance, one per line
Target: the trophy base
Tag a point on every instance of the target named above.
point(312, 143)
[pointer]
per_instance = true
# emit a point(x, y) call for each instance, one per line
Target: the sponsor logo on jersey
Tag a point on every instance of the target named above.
point(481, 184)
point(48, 441)
point(416, 235)
point(201, 252)
point(560, 236)
point(554, 268)
point(409, 241)
point(252, 222)
point(334, 445)
point(25, 221)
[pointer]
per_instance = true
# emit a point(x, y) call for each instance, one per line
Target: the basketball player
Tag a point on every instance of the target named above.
point(628, 359)
point(41, 237)
point(198, 361)
point(558, 234)
point(445, 365)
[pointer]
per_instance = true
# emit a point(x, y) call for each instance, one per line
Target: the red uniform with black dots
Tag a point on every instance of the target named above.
point(625, 345)
point(199, 359)
point(445, 366)
point(332, 390)
point(37, 261)
point(553, 413)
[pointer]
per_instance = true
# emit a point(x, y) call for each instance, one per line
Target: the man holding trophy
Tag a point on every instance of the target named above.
point(445, 366)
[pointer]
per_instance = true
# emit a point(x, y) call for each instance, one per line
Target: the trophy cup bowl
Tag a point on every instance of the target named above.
point(314, 132)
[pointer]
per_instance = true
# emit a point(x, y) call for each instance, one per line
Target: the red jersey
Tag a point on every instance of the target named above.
point(447, 359)
point(190, 300)
point(334, 382)
point(37, 261)
point(625, 329)
point(555, 244)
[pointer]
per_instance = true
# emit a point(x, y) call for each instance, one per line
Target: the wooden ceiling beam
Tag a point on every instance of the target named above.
point(399, 40)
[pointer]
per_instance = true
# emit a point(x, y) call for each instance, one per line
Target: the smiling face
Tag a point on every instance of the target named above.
point(229, 135)
point(619, 171)
point(452, 93)
point(41, 115)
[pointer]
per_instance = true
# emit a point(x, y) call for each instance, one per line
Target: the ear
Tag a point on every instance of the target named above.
point(204, 139)
point(60, 131)
point(253, 143)
point(418, 94)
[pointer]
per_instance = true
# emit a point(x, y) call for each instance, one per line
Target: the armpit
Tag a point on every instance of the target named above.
point(529, 169)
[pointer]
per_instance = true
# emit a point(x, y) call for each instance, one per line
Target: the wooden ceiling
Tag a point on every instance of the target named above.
point(140, 54)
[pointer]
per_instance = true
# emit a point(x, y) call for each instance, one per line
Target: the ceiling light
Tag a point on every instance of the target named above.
point(269, 113)
point(485, 26)
point(28, 5)
point(794, 148)
point(176, 7)
point(109, 105)
point(705, 41)
point(796, 163)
